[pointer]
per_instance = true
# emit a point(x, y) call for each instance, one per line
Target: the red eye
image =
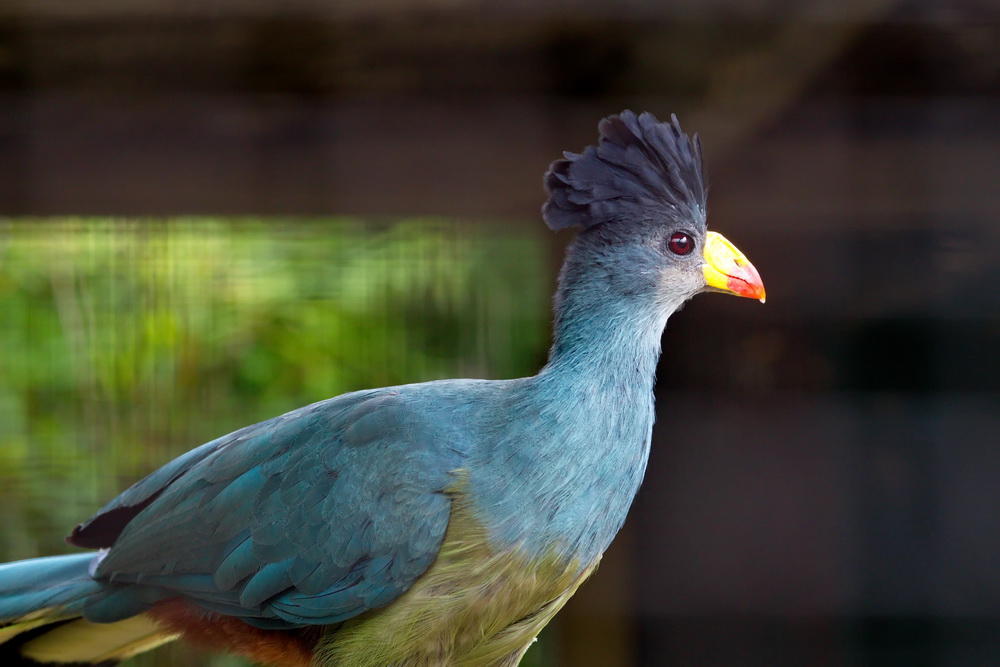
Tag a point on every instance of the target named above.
point(680, 243)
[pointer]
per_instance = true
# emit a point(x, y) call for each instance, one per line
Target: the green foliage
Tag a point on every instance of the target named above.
point(124, 343)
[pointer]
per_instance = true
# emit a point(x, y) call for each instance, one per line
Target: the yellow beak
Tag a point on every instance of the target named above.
point(728, 270)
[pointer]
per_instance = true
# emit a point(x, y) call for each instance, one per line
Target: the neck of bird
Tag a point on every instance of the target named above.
point(605, 346)
point(594, 407)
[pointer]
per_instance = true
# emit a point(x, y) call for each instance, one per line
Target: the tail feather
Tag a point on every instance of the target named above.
point(41, 607)
point(82, 641)
point(48, 589)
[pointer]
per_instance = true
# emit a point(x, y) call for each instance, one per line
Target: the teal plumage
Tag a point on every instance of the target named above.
point(441, 523)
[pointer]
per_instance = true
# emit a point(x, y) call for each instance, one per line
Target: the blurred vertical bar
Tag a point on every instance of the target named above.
point(15, 131)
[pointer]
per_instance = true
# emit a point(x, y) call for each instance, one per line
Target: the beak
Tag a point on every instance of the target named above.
point(728, 270)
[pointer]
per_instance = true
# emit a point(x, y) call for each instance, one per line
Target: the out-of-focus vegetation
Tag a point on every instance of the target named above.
point(125, 343)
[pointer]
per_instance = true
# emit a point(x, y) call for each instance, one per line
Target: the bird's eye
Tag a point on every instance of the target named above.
point(680, 243)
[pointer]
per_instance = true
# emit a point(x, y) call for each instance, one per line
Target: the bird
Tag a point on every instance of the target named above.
point(438, 523)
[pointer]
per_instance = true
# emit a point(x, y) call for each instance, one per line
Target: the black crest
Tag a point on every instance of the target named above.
point(641, 169)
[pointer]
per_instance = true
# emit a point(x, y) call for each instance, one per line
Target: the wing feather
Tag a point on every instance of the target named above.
point(311, 517)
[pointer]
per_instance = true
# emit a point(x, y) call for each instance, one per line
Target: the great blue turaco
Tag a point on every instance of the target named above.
point(441, 523)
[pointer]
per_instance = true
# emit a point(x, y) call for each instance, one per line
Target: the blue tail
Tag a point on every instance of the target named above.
point(41, 608)
point(52, 588)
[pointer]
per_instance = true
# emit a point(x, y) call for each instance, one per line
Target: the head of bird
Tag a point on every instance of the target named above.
point(640, 198)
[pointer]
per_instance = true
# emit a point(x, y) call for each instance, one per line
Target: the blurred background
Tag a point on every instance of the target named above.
point(211, 213)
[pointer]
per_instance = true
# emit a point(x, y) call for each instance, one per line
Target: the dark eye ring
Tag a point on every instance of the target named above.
point(680, 243)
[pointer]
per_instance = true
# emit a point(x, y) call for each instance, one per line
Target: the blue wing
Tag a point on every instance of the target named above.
point(309, 518)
